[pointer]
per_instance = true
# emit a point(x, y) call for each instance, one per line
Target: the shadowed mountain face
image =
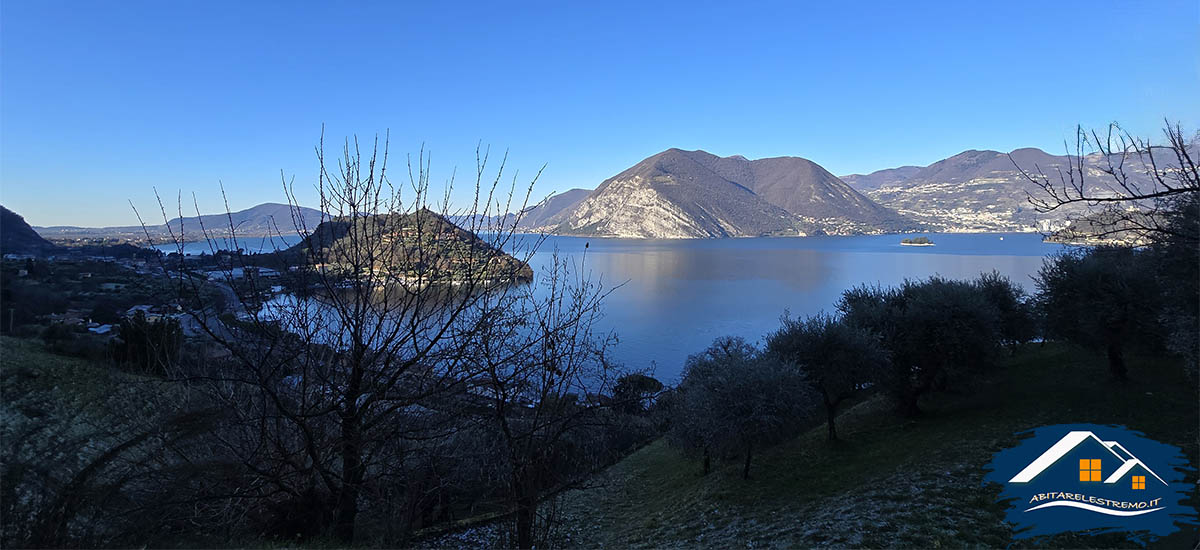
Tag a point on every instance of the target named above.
point(803, 188)
point(258, 221)
point(694, 194)
point(981, 190)
point(540, 214)
point(16, 237)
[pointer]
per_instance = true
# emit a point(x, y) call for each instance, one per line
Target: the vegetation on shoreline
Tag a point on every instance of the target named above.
point(420, 245)
point(916, 241)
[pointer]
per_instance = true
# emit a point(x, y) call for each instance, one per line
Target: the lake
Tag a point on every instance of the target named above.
point(252, 245)
point(676, 296)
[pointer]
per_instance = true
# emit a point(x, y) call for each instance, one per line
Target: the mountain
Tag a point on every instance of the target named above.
point(881, 178)
point(803, 188)
point(257, 221)
point(541, 213)
point(979, 190)
point(264, 219)
point(533, 218)
point(16, 237)
point(695, 194)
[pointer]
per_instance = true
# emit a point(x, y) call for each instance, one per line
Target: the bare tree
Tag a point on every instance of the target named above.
point(1145, 194)
point(376, 354)
point(1132, 183)
point(544, 369)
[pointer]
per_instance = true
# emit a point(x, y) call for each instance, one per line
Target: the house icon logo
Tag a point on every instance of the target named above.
point(1113, 463)
point(1094, 478)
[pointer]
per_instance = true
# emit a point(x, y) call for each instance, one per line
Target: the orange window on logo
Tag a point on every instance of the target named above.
point(1139, 482)
point(1089, 469)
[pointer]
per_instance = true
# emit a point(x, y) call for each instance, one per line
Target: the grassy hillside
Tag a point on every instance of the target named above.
point(892, 482)
point(31, 374)
point(88, 427)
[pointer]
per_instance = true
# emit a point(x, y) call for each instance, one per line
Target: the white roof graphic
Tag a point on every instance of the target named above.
point(1072, 440)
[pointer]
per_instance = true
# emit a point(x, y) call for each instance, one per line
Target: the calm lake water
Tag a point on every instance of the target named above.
point(676, 296)
point(679, 295)
point(252, 245)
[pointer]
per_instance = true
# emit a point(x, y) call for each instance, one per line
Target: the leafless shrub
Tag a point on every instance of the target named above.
point(405, 358)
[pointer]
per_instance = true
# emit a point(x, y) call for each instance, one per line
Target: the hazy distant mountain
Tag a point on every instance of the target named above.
point(695, 194)
point(16, 237)
point(533, 218)
point(973, 190)
point(882, 178)
point(258, 221)
point(541, 214)
point(264, 219)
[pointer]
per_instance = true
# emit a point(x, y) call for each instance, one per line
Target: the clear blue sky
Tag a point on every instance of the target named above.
point(101, 101)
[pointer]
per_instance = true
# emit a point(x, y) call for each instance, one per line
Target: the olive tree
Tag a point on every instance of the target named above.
point(936, 332)
point(1015, 310)
point(734, 399)
point(837, 359)
point(1133, 186)
point(634, 392)
point(1177, 273)
point(1099, 298)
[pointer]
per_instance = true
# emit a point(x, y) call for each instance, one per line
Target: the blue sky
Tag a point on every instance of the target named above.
point(101, 102)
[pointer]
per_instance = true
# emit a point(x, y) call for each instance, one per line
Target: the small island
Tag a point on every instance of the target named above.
point(918, 241)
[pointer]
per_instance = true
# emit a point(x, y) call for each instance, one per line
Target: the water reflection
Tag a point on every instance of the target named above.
point(680, 295)
point(676, 296)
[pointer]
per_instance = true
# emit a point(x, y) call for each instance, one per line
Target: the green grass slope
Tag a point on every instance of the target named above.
point(891, 482)
point(32, 376)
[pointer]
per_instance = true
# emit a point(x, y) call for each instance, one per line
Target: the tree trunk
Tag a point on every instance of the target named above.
point(830, 414)
point(526, 507)
point(746, 468)
point(1116, 359)
point(352, 476)
point(347, 513)
point(908, 406)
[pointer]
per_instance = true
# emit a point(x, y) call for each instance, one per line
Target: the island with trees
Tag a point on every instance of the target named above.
point(916, 241)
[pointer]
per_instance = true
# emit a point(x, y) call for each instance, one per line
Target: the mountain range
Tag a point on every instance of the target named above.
point(695, 194)
point(258, 221)
point(983, 190)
